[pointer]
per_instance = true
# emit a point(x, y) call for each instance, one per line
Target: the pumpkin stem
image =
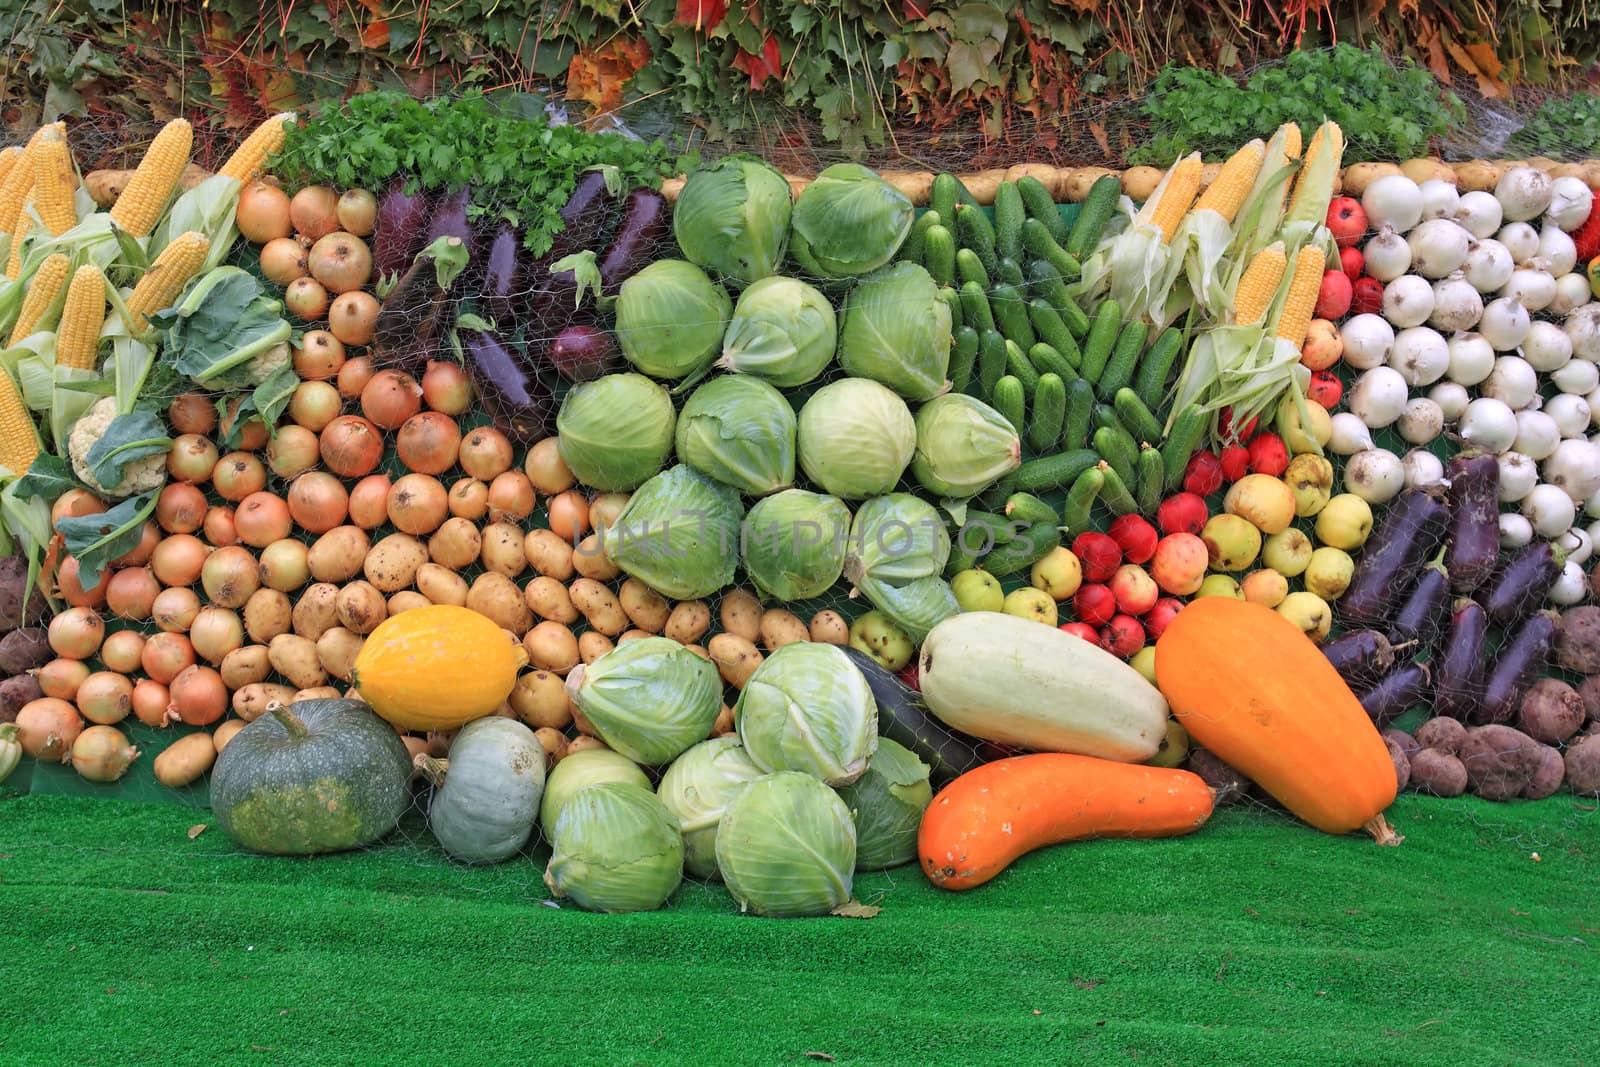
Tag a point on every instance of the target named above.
point(290, 721)
point(431, 768)
point(1381, 831)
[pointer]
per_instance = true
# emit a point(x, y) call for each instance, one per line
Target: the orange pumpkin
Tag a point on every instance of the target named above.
point(1252, 688)
point(436, 668)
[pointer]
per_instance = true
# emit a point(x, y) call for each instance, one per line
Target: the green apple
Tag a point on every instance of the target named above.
point(881, 639)
point(1288, 552)
point(1221, 585)
point(1174, 747)
point(978, 591)
point(1144, 661)
point(1031, 603)
point(1058, 573)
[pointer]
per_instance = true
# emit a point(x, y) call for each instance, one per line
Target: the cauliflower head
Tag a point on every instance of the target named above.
point(139, 476)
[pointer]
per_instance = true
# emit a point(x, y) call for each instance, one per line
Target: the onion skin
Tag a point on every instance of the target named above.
point(198, 696)
point(47, 729)
point(102, 754)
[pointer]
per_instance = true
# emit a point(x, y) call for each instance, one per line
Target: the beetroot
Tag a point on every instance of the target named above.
point(16, 692)
point(1548, 773)
point(1500, 761)
point(1407, 743)
point(1402, 762)
point(1551, 711)
point(1578, 639)
point(1443, 734)
point(1590, 692)
point(1582, 761)
point(1438, 773)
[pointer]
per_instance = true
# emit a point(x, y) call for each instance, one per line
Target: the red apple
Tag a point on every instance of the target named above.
point(1081, 629)
point(1346, 220)
point(1325, 389)
point(1367, 296)
point(1203, 476)
point(1099, 554)
point(1333, 299)
point(1235, 462)
point(1268, 455)
point(1351, 261)
point(1182, 513)
point(1136, 537)
point(1095, 604)
point(1180, 563)
point(1226, 429)
point(1158, 618)
point(1134, 589)
point(1122, 637)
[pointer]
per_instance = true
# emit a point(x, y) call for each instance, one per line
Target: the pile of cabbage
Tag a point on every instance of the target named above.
point(763, 407)
point(783, 813)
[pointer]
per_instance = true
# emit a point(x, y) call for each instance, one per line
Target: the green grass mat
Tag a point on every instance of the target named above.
point(1256, 941)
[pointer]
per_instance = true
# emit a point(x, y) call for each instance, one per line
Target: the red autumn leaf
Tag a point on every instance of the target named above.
point(767, 65)
point(701, 15)
point(598, 75)
point(915, 10)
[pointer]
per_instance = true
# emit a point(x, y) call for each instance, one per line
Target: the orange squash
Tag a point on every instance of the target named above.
point(1252, 688)
point(436, 668)
point(996, 813)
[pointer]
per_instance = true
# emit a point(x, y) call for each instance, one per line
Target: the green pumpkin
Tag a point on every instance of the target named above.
point(317, 776)
point(488, 792)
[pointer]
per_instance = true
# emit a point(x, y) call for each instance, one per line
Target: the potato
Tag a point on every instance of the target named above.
point(740, 613)
point(633, 635)
point(337, 555)
point(316, 610)
point(455, 544)
point(1548, 773)
point(1358, 176)
point(1551, 711)
point(1438, 773)
point(780, 627)
point(225, 732)
point(1074, 188)
point(1407, 743)
point(724, 724)
point(549, 599)
point(1424, 169)
point(592, 645)
point(185, 760)
point(1568, 170)
point(1441, 734)
point(24, 649)
point(295, 658)
point(1591, 173)
point(17, 692)
point(1227, 784)
point(983, 184)
point(337, 650)
point(1500, 761)
point(1139, 183)
point(1590, 692)
point(1043, 173)
point(1402, 763)
point(1578, 639)
point(392, 564)
point(245, 665)
point(829, 628)
point(540, 700)
point(551, 647)
point(361, 607)
point(590, 560)
point(498, 599)
point(502, 549)
point(646, 608)
point(1477, 176)
point(915, 184)
point(441, 585)
point(250, 703)
point(699, 650)
point(267, 614)
point(583, 743)
point(405, 600)
point(554, 743)
point(599, 605)
point(548, 554)
point(1582, 760)
point(735, 657)
point(688, 622)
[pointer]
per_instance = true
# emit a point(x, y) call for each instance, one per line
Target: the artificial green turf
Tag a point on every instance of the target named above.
point(1256, 941)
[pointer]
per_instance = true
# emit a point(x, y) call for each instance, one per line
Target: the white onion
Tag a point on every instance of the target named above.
point(1572, 292)
point(1560, 255)
point(1439, 199)
point(1532, 288)
point(1423, 469)
point(1520, 239)
point(1577, 544)
point(1518, 476)
point(1375, 475)
point(1386, 256)
point(1504, 323)
point(1515, 531)
point(1583, 326)
point(1512, 382)
point(1570, 411)
point(1420, 354)
point(1591, 508)
point(1379, 396)
point(1438, 247)
point(1408, 301)
point(1592, 398)
point(1488, 265)
point(1367, 340)
point(1550, 510)
point(1537, 434)
point(1574, 467)
point(1393, 200)
point(1571, 586)
point(1471, 358)
point(1547, 348)
point(1523, 192)
point(1480, 214)
point(1451, 398)
point(1456, 304)
point(1570, 200)
point(1421, 421)
point(1489, 424)
point(1350, 435)
point(1578, 377)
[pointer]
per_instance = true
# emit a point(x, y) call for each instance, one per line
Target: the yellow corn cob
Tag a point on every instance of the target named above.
point(1259, 283)
point(19, 444)
point(161, 284)
point(78, 335)
point(1227, 193)
point(246, 161)
point(1181, 184)
point(52, 182)
point(43, 288)
point(141, 203)
point(14, 190)
point(1295, 318)
point(1314, 185)
point(8, 159)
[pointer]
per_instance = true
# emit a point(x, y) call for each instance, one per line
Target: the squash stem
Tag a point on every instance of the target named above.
point(431, 768)
point(291, 722)
point(1381, 831)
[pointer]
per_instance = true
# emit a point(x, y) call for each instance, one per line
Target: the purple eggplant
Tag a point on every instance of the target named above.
point(1421, 619)
point(521, 407)
point(450, 217)
point(586, 217)
point(401, 229)
point(1522, 657)
point(1474, 521)
point(1459, 668)
point(645, 224)
point(501, 279)
point(903, 717)
point(1396, 694)
point(1361, 656)
point(414, 318)
point(1409, 534)
point(1522, 584)
point(583, 351)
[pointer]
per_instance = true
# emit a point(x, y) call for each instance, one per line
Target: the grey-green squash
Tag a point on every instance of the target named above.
point(316, 776)
point(487, 793)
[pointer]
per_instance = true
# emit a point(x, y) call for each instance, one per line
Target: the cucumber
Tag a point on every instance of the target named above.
point(952, 300)
point(1045, 283)
point(1093, 216)
point(939, 254)
point(1020, 367)
point(1051, 472)
point(1102, 338)
point(943, 195)
point(974, 232)
point(991, 361)
point(1156, 368)
point(963, 358)
point(1105, 415)
point(1025, 507)
point(1010, 273)
point(1124, 358)
point(1049, 408)
point(1010, 399)
point(912, 249)
point(1011, 315)
point(1080, 501)
point(969, 268)
point(1075, 317)
point(987, 528)
point(1115, 492)
point(1024, 550)
point(1042, 206)
point(1037, 240)
point(1047, 323)
point(1046, 360)
point(1151, 480)
point(1009, 215)
point(1132, 413)
point(1117, 449)
point(975, 310)
point(1080, 406)
point(1182, 440)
